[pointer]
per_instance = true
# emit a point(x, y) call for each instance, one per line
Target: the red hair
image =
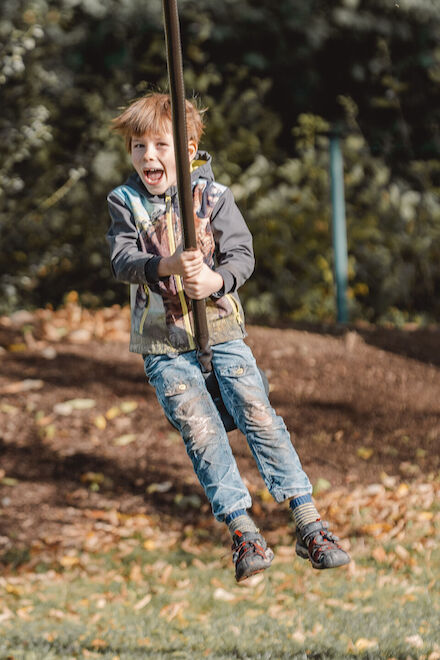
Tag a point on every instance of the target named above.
point(152, 114)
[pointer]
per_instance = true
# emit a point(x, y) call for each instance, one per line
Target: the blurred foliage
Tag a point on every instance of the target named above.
point(275, 77)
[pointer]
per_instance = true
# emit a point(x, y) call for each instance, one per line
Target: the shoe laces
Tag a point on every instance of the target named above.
point(323, 541)
point(244, 547)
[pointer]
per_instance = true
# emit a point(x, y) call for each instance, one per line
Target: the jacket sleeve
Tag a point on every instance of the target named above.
point(130, 263)
point(233, 240)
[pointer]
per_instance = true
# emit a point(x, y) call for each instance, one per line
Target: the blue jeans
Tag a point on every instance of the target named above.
point(180, 389)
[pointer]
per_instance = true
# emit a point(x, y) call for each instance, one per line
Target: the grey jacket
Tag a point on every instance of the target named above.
point(144, 228)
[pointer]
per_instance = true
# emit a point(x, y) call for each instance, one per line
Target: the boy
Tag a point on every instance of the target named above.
point(145, 239)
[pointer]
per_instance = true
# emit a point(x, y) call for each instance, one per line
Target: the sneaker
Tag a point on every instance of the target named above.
point(317, 543)
point(250, 554)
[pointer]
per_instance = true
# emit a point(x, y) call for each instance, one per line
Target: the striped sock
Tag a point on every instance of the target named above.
point(303, 510)
point(240, 520)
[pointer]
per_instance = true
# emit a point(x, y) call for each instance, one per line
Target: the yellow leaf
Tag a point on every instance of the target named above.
point(379, 554)
point(124, 440)
point(169, 612)
point(71, 297)
point(113, 412)
point(128, 406)
point(222, 594)
point(376, 529)
point(16, 348)
point(365, 453)
point(93, 477)
point(142, 603)
point(99, 643)
point(149, 544)
point(68, 561)
point(264, 495)
point(401, 552)
point(402, 490)
point(426, 515)
point(363, 644)
point(321, 485)
point(100, 422)
point(15, 591)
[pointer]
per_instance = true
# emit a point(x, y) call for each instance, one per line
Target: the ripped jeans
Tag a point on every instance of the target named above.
point(180, 389)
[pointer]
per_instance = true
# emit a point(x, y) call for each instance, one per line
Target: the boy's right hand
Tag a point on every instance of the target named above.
point(187, 264)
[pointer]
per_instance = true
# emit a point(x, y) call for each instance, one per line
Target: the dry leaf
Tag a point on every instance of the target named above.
point(363, 644)
point(22, 386)
point(113, 412)
point(143, 603)
point(100, 422)
point(124, 440)
point(414, 640)
point(67, 407)
point(365, 453)
point(222, 594)
point(128, 406)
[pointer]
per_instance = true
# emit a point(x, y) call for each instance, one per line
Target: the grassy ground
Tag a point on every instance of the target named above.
point(134, 587)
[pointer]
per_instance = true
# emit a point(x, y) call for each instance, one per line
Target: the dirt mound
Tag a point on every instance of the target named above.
point(81, 429)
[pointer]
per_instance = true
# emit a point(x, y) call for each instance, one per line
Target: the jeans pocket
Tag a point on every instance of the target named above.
point(236, 370)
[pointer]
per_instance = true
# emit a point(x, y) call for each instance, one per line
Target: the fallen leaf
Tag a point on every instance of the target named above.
point(162, 487)
point(17, 348)
point(222, 594)
point(169, 612)
point(8, 481)
point(128, 406)
point(321, 485)
point(9, 410)
point(113, 412)
point(68, 561)
point(67, 407)
point(22, 386)
point(142, 603)
point(414, 640)
point(363, 644)
point(425, 515)
point(150, 545)
point(124, 440)
point(100, 422)
point(365, 453)
point(6, 614)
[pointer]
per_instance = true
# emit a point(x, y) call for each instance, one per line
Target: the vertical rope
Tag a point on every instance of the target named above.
point(178, 111)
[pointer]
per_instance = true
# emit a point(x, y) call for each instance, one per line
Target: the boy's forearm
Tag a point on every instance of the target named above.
point(165, 267)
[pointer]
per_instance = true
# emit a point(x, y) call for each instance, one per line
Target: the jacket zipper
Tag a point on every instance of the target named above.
point(177, 278)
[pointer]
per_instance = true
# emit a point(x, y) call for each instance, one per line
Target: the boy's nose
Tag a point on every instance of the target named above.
point(149, 152)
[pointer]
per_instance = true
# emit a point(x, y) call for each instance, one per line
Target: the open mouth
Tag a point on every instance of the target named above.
point(153, 176)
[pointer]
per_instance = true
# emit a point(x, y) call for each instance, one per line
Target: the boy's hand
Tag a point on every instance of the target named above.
point(186, 264)
point(203, 284)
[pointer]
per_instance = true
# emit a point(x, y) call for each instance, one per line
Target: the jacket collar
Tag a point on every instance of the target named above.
point(200, 169)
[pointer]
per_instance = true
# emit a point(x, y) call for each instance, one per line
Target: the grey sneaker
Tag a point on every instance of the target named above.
point(317, 543)
point(250, 554)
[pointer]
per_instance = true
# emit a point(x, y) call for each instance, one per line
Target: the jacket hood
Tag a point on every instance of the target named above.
point(201, 168)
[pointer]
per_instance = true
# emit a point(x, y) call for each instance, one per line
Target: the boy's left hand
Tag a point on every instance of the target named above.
point(203, 284)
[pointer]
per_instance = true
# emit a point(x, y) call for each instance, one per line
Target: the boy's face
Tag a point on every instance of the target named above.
point(153, 159)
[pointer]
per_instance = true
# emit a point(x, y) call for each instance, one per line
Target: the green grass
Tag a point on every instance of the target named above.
point(194, 609)
point(128, 586)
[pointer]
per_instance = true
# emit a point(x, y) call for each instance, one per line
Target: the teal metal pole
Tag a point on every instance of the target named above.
point(339, 227)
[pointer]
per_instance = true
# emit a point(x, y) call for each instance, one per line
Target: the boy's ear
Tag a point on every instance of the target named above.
point(192, 149)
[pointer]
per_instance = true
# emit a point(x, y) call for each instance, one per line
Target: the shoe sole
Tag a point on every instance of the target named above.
point(305, 555)
point(245, 577)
